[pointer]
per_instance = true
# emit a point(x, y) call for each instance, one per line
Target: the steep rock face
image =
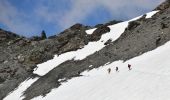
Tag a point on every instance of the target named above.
point(96, 35)
point(20, 55)
point(5, 35)
point(73, 38)
point(108, 23)
point(163, 6)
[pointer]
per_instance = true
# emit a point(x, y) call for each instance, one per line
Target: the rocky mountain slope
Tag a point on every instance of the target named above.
point(20, 55)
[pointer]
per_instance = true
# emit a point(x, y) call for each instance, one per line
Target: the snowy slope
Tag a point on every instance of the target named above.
point(149, 79)
point(92, 47)
point(17, 94)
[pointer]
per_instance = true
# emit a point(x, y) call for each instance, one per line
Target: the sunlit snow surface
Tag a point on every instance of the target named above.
point(149, 15)
point(17, 94)
point(98, 85)
point(90, 31)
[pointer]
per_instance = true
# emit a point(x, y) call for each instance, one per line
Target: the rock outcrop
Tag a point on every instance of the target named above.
point(20, 55)
point(163, 6)
point(96, 35)
point(5, 35)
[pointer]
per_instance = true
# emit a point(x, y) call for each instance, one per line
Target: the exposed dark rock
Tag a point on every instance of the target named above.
point(107, 24)
point(76, 26)
point(19, 55)
point(96, 35)
point(35, 38)
point(163, 6)
point(143, 18)
point(132, 25)
point(79, 27)
point(37, 56)
point(1, 80)
point(5, 35)
point(163, 25)
point(112, 22)
point(52, 37)
point(108, 42)
point(158, 41)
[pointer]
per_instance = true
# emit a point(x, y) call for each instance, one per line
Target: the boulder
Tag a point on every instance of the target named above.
point(21, 58)
point(96, 35)
point(133, 25)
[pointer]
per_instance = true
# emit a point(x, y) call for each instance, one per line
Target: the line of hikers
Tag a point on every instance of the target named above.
point(117, 69)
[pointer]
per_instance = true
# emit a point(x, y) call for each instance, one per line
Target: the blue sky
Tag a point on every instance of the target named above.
point(30, 17)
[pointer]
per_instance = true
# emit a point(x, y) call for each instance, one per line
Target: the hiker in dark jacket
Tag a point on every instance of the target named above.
point(109, 70)
point(129, 66)
point(117, 69)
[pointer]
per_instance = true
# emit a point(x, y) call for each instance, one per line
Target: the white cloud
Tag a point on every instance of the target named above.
point(78, 11)
point(14, 19)
point(82, 8)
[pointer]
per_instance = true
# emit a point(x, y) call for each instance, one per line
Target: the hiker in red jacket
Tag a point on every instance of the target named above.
point(129, 66)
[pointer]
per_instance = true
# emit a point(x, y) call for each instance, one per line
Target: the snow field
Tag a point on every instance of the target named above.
point(149, 79)
point(97, 84)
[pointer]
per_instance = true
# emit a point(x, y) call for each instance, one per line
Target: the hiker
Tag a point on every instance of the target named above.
point(129, 66)
point(109, 70)
point(117, 69)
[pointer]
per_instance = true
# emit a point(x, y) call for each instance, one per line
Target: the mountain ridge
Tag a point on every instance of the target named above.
point(140, 36)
